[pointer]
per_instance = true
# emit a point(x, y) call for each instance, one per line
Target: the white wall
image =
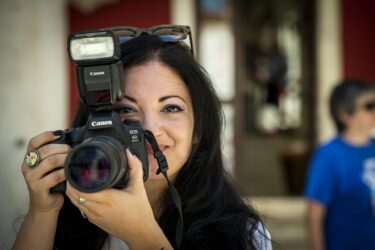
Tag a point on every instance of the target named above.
point(33, 92)
point(329, 61)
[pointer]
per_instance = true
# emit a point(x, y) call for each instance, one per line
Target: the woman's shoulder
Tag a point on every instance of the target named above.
point(114, 243)
point(260, 236)
point(236, 229)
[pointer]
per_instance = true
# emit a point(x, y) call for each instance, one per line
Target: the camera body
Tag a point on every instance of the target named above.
point(97, 159)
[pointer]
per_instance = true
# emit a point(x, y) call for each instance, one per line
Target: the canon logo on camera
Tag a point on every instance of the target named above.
point(99, 73)
point(101, 123)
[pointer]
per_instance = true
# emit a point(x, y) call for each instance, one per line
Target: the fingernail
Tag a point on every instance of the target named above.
point(57, 132)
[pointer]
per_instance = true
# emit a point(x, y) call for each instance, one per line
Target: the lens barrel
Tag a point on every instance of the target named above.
point(96, 164)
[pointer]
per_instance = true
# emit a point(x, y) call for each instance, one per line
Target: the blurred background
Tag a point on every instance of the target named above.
point(273, 64)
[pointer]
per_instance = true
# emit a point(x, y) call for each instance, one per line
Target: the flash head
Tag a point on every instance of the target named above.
point(99, 71)
point(96, 47)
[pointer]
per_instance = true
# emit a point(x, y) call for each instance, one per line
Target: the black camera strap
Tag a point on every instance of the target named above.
point(163, 167)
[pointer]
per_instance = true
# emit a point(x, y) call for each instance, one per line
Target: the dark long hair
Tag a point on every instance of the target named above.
point(215, 216)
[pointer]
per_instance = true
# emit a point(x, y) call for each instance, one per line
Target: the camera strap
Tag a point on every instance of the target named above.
point(163, 167)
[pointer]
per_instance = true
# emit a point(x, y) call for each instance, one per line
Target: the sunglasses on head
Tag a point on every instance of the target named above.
point(166, 32)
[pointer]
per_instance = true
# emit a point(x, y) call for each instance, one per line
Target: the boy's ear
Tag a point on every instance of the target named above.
point(344, 117)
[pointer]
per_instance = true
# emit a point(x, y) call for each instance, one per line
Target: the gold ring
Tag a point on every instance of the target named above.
point(32, 158)
point(81, 201)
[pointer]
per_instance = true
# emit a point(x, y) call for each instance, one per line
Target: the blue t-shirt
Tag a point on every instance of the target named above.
point(342, 177)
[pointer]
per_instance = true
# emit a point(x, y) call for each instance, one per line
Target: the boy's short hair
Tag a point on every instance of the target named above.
point(343, 99)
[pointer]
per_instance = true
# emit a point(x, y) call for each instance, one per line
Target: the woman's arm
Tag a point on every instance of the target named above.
point(315, 218)
point(155, 239)
point(37, 231)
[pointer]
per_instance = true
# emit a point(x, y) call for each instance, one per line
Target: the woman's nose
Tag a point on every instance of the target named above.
point(152, 122)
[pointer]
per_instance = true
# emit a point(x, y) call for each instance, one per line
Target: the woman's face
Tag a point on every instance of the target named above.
point(157, 97)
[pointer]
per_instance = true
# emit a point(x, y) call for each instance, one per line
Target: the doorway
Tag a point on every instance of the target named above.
point(275, 112)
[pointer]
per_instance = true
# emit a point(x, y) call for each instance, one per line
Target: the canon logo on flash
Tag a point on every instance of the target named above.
point(99, 73)
point(101, 123)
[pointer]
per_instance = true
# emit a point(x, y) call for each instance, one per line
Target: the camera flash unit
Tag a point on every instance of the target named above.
point(95, 47)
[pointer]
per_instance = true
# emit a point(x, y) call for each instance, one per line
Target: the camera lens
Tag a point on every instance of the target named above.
point(90, 168)
point(96, 164)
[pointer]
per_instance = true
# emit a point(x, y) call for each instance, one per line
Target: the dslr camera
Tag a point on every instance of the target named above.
point(97, 159)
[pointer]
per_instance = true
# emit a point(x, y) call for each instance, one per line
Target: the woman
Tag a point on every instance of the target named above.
point(170, 94)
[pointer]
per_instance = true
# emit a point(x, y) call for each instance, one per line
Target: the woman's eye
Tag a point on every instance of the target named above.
point(125, 110)
point(172, 109)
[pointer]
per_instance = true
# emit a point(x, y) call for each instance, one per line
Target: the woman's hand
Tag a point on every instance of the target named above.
point(39, 226)
point(41, 178)
point(127, 213)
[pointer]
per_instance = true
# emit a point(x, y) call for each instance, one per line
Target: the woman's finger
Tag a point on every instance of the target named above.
point(135, 170)
point(53, 178)
point(79, 201)
point(94, 198)
point(47, 165)
point(51, 149)
point(41, 139)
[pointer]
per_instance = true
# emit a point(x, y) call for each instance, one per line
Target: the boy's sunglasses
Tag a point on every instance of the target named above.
point(166, 32)
point(369, 106)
